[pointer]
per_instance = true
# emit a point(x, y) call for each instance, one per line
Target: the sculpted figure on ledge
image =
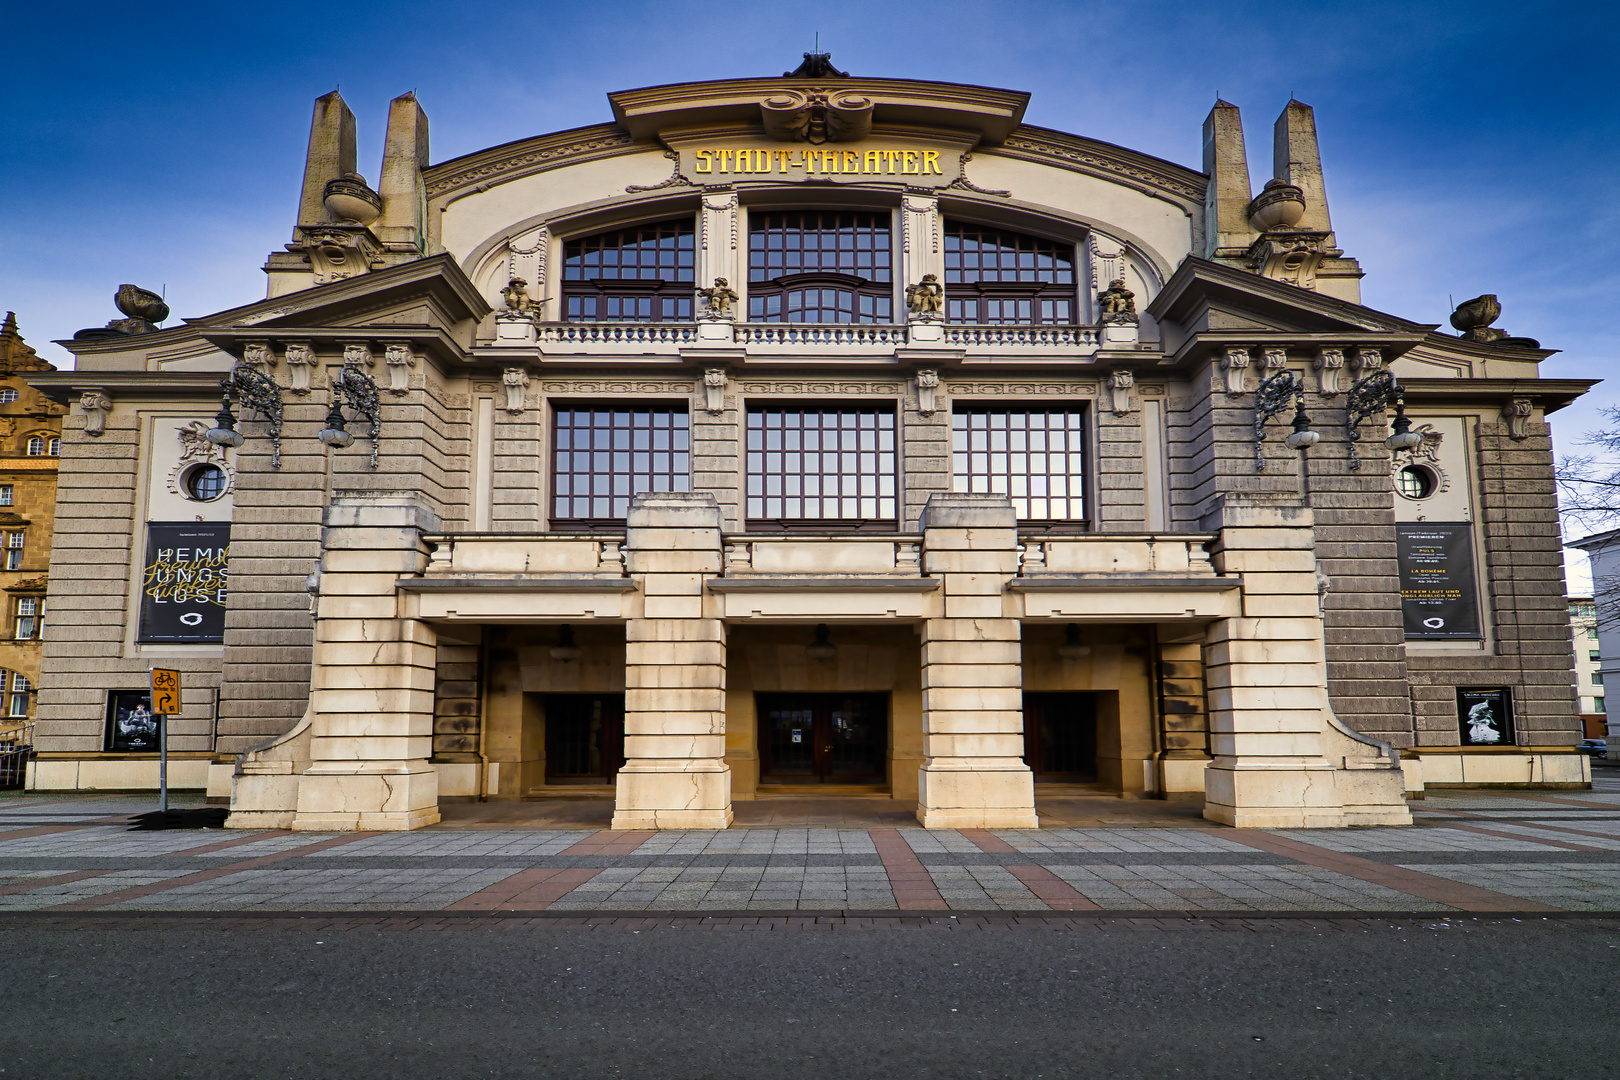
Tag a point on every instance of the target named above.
point(518, 300)
point(1117, 304)
point(926, 299)
point(717, 301)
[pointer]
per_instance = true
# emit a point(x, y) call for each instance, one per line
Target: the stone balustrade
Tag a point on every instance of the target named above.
point(608, 339)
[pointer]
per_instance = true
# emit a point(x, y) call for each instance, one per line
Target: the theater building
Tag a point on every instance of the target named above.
point(812, 434)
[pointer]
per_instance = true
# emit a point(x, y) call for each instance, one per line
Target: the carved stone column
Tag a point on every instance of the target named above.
point(675, 774)
point(1280, 758)
point(973, 773)
point(371, 687)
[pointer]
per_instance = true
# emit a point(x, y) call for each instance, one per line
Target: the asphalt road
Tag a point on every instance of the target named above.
point(895, 1003)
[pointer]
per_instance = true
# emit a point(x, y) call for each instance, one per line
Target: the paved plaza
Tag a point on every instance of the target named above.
point(1470, 851)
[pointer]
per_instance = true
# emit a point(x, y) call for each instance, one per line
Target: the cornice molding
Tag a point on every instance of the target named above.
point(1106, 161)
point(512, 160)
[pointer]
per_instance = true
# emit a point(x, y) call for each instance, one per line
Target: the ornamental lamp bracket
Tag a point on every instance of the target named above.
point(1372, 396)
point(1272, 396)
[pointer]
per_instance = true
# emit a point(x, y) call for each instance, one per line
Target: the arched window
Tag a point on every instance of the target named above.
point(44, 445)
point(820, 267)
point(640, 274)
point(993, 277)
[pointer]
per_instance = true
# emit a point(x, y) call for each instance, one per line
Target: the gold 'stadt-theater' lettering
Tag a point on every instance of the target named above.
point(822, 162)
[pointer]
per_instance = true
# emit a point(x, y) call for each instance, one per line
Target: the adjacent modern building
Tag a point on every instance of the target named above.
point(1588, 670)
point(1604, 551)
point(809, 434)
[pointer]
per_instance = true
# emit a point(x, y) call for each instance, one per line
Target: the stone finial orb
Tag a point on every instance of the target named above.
point(138, 303)
point(1476, 314)
point(349, 199)
point(1280, 205)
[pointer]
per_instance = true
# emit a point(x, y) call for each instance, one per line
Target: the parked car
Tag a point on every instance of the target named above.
point(1598, 748)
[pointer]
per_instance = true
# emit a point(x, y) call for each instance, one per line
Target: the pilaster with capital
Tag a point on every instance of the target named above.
point(400, 361)
point(718, 254)
point(526, 259)
point(927, 391)
point(1121, 386)
point(920, 238)
point(96, 406)
point(300, 358)
point(1234, 363)
point(515, 381)
point(1328, 363)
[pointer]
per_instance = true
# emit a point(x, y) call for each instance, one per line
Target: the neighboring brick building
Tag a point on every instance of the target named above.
point(812, 431)
point(30, 447)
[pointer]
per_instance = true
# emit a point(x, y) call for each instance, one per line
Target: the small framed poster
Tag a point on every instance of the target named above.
point(1485, 716)
point(131, 726)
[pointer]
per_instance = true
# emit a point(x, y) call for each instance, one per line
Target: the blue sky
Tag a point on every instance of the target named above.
point(1468, 147)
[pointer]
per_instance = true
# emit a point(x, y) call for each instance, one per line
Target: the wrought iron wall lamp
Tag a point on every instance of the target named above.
point(1271, 397)
point(254, 390)
point(354, 388)
point(1373, 396)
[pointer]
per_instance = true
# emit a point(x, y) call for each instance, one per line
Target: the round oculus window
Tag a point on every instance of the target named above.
point(205, 483)
point(1416, 482)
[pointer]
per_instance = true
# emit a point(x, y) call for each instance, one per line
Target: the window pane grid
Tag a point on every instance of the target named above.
point(1036, 457)
point(851, 245)
point(662, 254)
point(605, 455)
point(1041, 270)
point(821, 464)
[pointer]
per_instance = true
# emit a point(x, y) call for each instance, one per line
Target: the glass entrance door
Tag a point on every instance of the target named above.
point(1060, 737)
point(584, 737)
point(823, 738)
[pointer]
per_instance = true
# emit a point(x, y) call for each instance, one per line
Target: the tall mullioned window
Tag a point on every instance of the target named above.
point(605, 454)
point(997, 277)
point(820, 267)
point(640, 274)
point(809, 465)
point(1035, 456)
point(17, 691)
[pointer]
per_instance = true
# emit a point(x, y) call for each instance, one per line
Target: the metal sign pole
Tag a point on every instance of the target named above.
point(163, 762)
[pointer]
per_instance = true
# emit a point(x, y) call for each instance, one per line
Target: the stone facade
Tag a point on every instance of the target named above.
point(1058, 558)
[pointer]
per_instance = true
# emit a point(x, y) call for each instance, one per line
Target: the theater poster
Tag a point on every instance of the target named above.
point(1485, 716)
point(183, 589)
point(1438, 597)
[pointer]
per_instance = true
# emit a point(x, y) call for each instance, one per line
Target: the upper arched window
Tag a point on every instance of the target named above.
point(994, 276)
point(44, 446)
point(820, 267)
point(640, 274)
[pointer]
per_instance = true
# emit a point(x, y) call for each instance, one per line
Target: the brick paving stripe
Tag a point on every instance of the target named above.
point(1047, 886)
point(526, 890)
point(910, 880)
point(136, 891)
point(1412, 882)
point(1547, 840)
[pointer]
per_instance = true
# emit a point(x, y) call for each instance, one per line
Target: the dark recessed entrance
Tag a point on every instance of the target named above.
point(584, 737)
point(1060, 737)
point(823, 738)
